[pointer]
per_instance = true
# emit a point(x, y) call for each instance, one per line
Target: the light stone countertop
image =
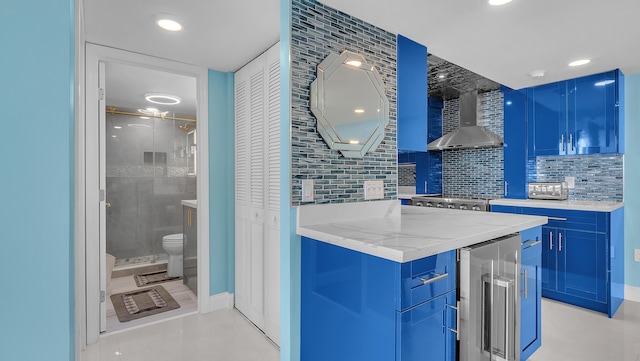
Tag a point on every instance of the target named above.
point(405, 233)
point(193, 203)
point(568, 204)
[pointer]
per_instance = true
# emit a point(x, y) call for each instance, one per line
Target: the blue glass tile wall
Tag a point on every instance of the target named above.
point(317, 31)
point(598, 178)
point(474, 172)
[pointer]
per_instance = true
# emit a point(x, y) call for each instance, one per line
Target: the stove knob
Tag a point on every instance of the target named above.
point(440, 205)
point(463, 206)
point(451, 206)
point(476, 208)
point(419, 204)
point(429, 204)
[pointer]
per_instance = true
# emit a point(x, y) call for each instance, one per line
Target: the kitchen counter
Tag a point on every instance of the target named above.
point(405, 233)
point(568, 204)
point(193, 203)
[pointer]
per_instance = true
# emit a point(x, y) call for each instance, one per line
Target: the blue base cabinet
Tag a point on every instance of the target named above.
point(582, 256)
point(360, 307)
point(531, 294)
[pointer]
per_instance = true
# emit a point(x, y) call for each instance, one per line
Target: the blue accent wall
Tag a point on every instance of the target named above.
point(37, 183)
point(631, 176)
point(289, 240)
point(221, 183)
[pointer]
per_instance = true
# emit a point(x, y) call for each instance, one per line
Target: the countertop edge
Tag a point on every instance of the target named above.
point(593, 206)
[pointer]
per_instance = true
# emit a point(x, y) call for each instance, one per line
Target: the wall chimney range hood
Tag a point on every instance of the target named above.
point(470, 134)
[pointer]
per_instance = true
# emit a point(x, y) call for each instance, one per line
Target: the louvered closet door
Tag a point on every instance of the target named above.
point(272, 217)
point(258, 192)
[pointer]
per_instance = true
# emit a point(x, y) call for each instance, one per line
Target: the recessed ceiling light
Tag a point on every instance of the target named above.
point(359, 111)
point(537, 73)
point(114, 136)
point(579, 62)
point(168, 22)
point(498, 2)
point(164, 99)
point(117, 127)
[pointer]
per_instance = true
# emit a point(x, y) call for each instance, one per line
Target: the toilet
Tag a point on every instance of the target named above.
point(172, 244)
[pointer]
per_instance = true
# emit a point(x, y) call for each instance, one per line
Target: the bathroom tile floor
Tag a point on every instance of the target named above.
point(180, 292)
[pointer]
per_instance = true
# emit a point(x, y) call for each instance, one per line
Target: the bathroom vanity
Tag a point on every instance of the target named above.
point(379, 280)
point(190, 243)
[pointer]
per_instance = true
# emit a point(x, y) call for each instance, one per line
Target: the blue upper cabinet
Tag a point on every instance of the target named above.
point(593, 114)
point(546, 111)
point(412, 95)
point(578, 116)
point(515, 143)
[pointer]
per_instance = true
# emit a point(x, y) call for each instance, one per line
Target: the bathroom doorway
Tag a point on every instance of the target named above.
point(144, 136)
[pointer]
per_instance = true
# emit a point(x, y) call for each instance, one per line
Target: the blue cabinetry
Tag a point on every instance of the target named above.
point(578, 116)
point(530, 297)
point(360, 307)
point(412, 95)
point(582, 256)
point(516, 144)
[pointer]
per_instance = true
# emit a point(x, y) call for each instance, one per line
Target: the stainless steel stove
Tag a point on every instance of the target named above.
point(452, 202)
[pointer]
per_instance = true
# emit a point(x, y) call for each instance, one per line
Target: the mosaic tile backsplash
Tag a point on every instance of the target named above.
point(598, 178)
point(317, 31)
point(474, 172)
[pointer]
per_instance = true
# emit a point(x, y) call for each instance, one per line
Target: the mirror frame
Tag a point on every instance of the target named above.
point(324, 126)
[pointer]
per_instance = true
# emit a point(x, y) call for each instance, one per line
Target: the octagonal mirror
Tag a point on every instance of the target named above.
point(349, 102)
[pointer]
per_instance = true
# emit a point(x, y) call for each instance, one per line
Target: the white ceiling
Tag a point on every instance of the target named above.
point(502, 43)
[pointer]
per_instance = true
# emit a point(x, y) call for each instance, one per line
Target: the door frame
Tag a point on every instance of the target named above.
point(89, 260)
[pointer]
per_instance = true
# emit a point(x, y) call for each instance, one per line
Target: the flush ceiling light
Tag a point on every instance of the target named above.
point(498, 2)
point(168, 22)
point(164, 99)
point(537, 73)
point(580, 62)
point(359, 111)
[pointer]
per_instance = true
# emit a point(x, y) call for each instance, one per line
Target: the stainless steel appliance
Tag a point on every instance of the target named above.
point(490, 300)
point(473, 204)
point(548, 190)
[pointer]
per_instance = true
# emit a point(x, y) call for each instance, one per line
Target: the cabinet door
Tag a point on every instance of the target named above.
point(412, 95)
point(515, 145)
point(591, 114)
point(549, 260)
point(190, 249)
point(530, 299)
point(424, 331)
point(582, 258)
point(547, 112)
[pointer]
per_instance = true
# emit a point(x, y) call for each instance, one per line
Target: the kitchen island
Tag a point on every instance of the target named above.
point(379, 279)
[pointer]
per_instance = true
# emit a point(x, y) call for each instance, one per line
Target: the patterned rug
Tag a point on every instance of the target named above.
point(152, 278)
point(141, 303)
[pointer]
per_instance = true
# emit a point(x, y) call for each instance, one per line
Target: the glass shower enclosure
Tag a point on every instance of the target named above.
point(150, 169)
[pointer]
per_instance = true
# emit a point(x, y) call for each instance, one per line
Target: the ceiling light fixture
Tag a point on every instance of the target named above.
point(498, 2)
point(168, 22)
point(164, 99)
point(537, 73)
point(117, 127)
point(359, 111)
point(580, 62)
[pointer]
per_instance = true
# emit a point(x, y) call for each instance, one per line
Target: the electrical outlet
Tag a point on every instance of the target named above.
point(373, 189)
point(571, 182)
point(636, 255)
point(307, 190)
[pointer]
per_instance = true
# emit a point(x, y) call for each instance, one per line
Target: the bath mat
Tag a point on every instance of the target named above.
point(152, 278)
point(140, 303)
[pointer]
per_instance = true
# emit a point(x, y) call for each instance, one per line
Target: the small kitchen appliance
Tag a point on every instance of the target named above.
point(548, 190)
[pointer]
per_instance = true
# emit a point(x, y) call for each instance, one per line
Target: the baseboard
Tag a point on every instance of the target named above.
point(632, 293)
point(221, 301)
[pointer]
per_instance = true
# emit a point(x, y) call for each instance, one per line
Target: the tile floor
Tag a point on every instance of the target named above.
point(569, 334)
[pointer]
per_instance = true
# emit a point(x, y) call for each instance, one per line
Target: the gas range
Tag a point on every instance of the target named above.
point(452, 202)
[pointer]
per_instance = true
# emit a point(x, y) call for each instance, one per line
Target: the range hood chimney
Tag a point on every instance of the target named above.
point(469, 135)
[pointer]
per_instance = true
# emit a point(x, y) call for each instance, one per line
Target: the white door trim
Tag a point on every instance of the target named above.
point(87, 215)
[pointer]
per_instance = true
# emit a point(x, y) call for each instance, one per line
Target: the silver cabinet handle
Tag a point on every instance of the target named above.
point(525, 275)
point(457, 309)
point(571, 142)
point(551, 241)
point(426, 281)
point(560, 242)
point(531, 243)
point(557, 218)
point(562, 142)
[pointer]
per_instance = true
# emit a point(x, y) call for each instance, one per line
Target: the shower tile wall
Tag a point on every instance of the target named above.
point(145, 199)
point(317, 31)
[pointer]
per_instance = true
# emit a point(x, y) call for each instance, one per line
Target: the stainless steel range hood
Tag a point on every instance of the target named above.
point(469, 135)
